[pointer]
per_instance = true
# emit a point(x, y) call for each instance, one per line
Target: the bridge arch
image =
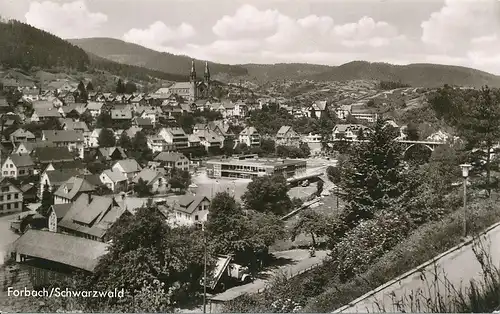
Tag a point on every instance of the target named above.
point(422, 151)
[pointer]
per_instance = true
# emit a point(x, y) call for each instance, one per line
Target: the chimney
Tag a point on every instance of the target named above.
point(89, 198)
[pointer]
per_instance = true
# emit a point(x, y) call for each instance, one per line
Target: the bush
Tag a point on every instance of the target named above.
point(422, 245)
point(365, 243)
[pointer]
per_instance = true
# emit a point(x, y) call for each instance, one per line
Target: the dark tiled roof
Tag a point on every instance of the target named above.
point(63, 135)
point(189, 203)
point(61, 248)
point(23, 160)
point(52, 154)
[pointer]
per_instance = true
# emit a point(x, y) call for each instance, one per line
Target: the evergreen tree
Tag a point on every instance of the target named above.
point(130, 88)
point(83, 95)
point(90, 87)
point(120, 87)
point(371, 177)
point(47, 201)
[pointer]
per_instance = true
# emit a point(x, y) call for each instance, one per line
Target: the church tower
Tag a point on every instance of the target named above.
point(193, 86)
point(206, 78)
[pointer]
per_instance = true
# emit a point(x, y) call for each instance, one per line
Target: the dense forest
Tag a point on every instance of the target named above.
point(23, 46)
point(28, 48)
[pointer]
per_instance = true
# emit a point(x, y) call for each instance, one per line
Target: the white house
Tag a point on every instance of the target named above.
point(129, 167)
point(94, 108)
point(93, 139)
point(16, 166)
point(191, 209)
point(174, 136)
point(250, 136)
point(115, 180)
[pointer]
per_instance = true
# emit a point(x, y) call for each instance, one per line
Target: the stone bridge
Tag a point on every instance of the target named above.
point(431, 145)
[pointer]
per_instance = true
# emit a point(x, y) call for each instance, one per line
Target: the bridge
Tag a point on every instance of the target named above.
point(431, 145)
point(307, 175)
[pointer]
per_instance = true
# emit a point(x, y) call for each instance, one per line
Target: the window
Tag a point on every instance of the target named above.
point(12, 172)
point(16, 205)
point(8, 197)
point(21, 171)
point(196, 217)
point(5, 173)
point(5, 189)
point(16, 196)
point(8, 206)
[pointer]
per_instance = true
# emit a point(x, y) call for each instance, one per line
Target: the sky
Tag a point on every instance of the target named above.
point(331, 32)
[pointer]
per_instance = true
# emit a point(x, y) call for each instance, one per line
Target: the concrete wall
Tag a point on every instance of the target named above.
point(455, 267)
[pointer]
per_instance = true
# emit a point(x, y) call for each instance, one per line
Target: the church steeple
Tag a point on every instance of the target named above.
point(207, 73)
point(192, 76)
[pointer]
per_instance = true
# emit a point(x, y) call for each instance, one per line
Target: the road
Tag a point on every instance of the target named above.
point(7, 236)
point(295, 261)
point(455, 267)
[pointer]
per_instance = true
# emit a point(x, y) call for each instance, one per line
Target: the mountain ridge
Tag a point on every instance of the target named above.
point(415, 74)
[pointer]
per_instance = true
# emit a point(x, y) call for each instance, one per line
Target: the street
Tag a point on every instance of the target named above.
point(7, 236)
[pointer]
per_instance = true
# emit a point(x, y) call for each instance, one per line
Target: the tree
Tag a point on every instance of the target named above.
point(372, 176)
point(120, 87)
point(268, 194)
point(306, 150)
point(83, 95)
point(245, 235)
point(106, 138)
point(140, 150)
point(179, 179)
point(90, 87)
point(47, 201)
point(87, 118)
point(268, 146)
point(130, 88)
point(412, 132)
point(124, 141)
point(361, 134)
point(147, 256)
point(142, 188)
point(310, 222)
point(333, 174)
point(479, 125)
point(319, 187)
point(104, 120)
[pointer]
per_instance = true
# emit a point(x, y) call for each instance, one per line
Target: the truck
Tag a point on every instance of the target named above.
point(227, 274)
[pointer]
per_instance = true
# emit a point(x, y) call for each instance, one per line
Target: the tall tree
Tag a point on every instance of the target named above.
point(479, 125)
point(412, 132)
point(83, 95)
point(90, 87)
point(47, 201)
point(371, 177)
point(106, 138)
point(120, 87)
point(268, 194)
point(130, 87)
point(124, 141)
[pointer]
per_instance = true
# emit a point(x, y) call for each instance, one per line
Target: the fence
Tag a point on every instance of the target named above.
point(292, 275)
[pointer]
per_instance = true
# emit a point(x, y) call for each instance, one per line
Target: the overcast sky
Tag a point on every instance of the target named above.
point(460, 32)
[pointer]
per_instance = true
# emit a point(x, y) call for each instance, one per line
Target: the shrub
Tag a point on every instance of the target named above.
point(368, 241)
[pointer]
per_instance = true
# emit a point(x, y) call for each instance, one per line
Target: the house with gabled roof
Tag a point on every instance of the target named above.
point(348, 131)
point(210, 139)
point(11, 197)
point(75, 108)
point(156, 180)
point(21, 135)
point(171, 160)
point(60, 249)
point(45, 155)
point(72, 139)
point(317, 109)
point(16, 166)
point(286, 136)
point(94, 108)
point(129, 167)
point(28, 147)
point(43, 114)
point(55, 178)
point(111, 153)
point(143, 123)
point(70, 190)
point(91, 216)
point(114, 180)
point(250, 137)
point(191, 209)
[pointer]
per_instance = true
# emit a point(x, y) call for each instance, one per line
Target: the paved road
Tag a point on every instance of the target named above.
point(457, 267)
point(299, 261)
point(7, 236)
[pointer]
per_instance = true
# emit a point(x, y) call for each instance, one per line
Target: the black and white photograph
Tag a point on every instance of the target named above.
point(250, 156)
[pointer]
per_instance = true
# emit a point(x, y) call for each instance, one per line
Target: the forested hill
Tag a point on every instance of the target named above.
point(24, 46)
point(28, 48)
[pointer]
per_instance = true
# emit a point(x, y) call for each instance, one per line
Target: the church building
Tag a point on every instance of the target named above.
point(194, 89)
